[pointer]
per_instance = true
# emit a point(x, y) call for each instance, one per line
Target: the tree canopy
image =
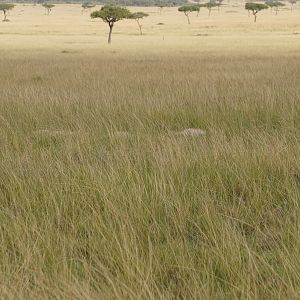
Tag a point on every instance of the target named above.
point(292, 2)
point(255, 7)
point(275, 4)
point(48, 5)
point(6, 6)
point(138, 15)
point(198, 7)
point(188, 8)
point(111, 13)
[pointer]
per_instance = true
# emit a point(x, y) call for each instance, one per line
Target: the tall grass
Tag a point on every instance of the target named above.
point(102, 198)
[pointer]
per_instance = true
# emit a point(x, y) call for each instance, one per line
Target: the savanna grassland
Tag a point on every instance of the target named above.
point(101, 194)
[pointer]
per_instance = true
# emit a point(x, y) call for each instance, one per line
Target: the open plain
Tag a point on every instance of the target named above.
point(161, 166)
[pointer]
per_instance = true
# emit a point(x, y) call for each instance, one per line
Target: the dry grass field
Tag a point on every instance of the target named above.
point(104, 194)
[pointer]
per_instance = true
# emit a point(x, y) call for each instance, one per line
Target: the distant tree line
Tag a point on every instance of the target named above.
point(158, 3)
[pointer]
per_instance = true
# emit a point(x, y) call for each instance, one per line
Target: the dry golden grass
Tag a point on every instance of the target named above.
point(30, 30)
point(101, 197)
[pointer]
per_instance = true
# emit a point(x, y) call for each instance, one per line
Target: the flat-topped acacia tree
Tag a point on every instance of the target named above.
point(274, 4)
point(198, 6)
point(187, 9)
point(35, 2)
point(6, 7)
point(161, 5)
point(255, 8)
point(111, 14)
point(138, 16)
point(292, 2)
point(197, 3)
point(278, 4)
point(219, 4)
point(210, 5)
point(270, 3)
point(48, 7)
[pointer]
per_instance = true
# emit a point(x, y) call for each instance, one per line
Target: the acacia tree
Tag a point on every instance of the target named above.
point(255, 8)
point(270, 3)
point(111, 14)
point(87, 5)
point(274, 4)
point(278, 4)
point(161, 5)
point(38, 2)
point(6, 7)
point(219, 3)
point(292, 2)
point(198, 7)
point(187, 9)
point(138, 16)
point(210, 5)
point(48, 7)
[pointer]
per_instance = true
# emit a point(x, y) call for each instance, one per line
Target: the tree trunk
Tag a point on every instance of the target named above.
point(5, 15)
point(110, 31)
point(254, 18)
point(140, 27)
point(209, 11)
point(187, 15)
